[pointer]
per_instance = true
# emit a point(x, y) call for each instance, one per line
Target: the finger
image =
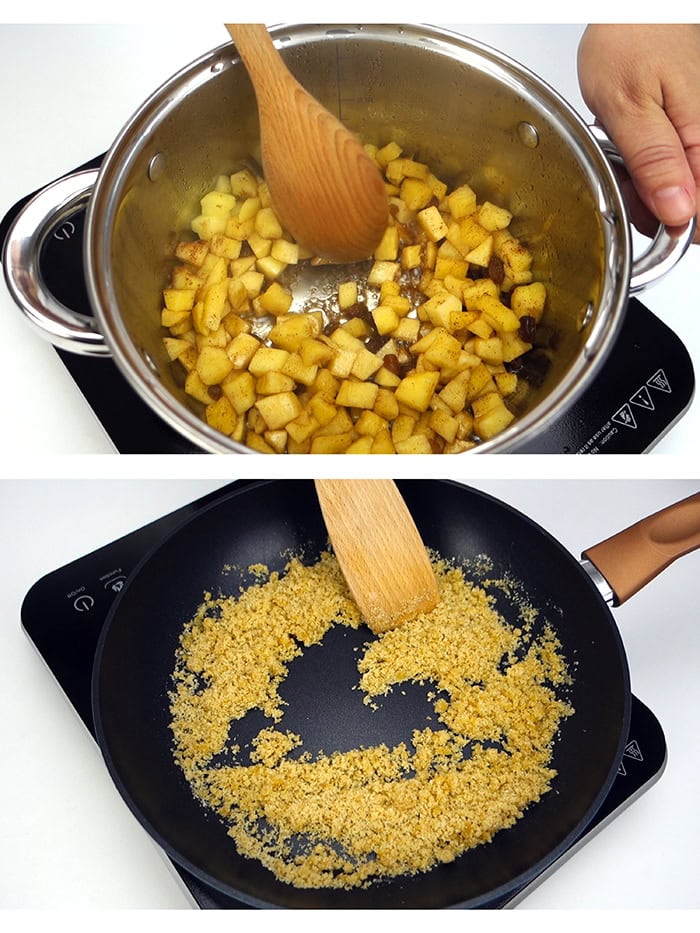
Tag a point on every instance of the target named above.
point(658, 166)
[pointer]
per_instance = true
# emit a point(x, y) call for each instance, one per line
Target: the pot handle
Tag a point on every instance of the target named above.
point(668, 245)
point(633, 557)
point(40, 217)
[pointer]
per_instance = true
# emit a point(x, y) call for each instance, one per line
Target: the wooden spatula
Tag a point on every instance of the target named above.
point(324, 187)
point(379, 550)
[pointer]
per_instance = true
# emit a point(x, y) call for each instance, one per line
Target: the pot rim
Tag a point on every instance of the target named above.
point(110, 189)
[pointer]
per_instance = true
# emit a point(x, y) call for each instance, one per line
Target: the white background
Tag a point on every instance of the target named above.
point(68, 841)
point(67, 93)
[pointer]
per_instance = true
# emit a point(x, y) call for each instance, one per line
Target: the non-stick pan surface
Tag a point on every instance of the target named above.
point(262, 523)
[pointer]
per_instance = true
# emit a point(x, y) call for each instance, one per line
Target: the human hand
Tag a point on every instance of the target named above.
point(642, 83)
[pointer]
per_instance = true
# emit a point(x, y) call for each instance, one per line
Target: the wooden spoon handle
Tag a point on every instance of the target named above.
point(379, 549)
point(262, 61)
point(325, 188)
point(633, 557)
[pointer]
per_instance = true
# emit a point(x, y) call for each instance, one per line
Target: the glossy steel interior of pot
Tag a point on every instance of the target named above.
point(468, 112)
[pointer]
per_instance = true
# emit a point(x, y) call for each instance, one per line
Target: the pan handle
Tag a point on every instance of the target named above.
point(633, 557)
point(667, 247)
point(40, 217)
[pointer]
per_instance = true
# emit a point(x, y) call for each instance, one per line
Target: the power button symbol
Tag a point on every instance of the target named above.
point(83, 603)
point(65, 231)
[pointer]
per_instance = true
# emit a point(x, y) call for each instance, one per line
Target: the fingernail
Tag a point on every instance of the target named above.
point(674, 205)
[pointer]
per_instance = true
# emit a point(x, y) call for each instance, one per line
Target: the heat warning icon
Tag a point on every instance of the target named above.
point(659, 381)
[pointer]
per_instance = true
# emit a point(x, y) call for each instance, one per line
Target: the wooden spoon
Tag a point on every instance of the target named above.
point(326, 190)
point(379, 550)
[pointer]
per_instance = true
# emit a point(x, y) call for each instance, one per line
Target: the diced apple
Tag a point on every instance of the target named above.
point(239, 389)
point(415, 444)
point(529, 300)
point(493, 217)
point(388, 247)
point(416, 193)
point(193, 251)
point(385, 319)
point(267, 224)
point(266, 359)
point(462, 201)
point(273, 382)
point(242, 349)
point(213, 365)
point(244, 184)
point(279, 410)
point(357, 394)
point(382, 270)
point(432, 223)
point(416, 390)
point(221, 416)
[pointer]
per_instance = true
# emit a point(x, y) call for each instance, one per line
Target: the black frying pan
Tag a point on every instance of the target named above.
point(258, 524)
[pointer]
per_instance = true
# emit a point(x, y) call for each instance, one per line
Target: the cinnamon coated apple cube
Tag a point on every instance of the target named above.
point(175, 346)
point(432, 223)
point(493, 421)
point(289, 332)
point(415, 444)
point(213, 365)
point(276, 299)
point(278, 410)
point(461, 201)
point(347, 295)
point(302, 427)
point(354, 394)
point(243, 184)
point(314, 352)
point(225, 246)
point(492, 217)
point(416, 193)
point(444, 351)
point(239, 389)
point(331, 443)
point(221, 415)
point(285, 251)
point(529, 300)
point(481, 254)
point(386, 320)
point(179, 299)
point(266, 359)
point(363, 445)
point(192, 251)
point(388, 247)
point(382, 443)
point(416, 389)
point(295, 367)
point(267, 224)
point(507, 383)
point(258, 443)
point(273, 382)
point(196, 388)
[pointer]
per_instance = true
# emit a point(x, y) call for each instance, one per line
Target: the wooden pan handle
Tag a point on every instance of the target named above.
point(630, 559)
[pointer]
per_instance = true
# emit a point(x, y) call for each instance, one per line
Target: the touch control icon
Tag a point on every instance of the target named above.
point(116, 584)
point(65, 231)
point(83, 603)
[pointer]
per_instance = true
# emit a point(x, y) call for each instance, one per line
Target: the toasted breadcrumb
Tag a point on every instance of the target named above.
point(349, 819)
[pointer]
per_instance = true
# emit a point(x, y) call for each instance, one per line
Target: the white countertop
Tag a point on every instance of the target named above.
point(70, 89)
point(67, 839)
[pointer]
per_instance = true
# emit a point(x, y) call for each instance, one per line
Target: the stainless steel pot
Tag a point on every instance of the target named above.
point(469, 111)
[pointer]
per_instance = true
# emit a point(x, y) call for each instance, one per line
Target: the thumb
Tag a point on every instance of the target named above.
point(657, 165)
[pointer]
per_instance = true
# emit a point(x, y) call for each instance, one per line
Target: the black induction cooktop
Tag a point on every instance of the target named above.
point(63, 614)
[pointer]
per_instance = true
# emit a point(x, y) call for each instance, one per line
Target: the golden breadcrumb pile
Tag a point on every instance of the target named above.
point(347, 819)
